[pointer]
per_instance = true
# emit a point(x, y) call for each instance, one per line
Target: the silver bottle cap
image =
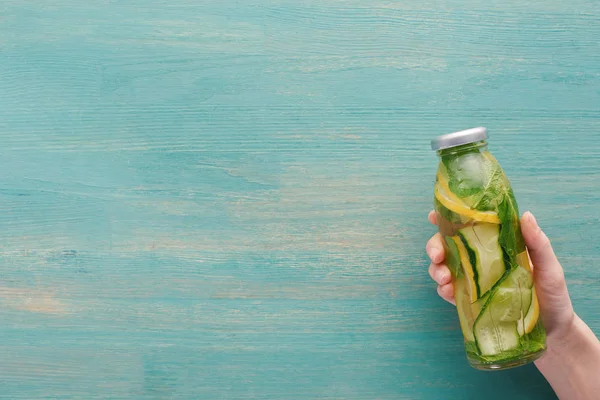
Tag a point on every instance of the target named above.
point(459, 138)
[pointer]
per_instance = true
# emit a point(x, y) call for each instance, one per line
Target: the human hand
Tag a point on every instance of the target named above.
point(555, 304)
point(572, 362)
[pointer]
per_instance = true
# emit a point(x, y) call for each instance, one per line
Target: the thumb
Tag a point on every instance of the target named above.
point(540, 250)
point(548, 274)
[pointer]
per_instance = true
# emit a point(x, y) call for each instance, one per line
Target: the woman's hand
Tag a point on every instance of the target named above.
point(549, 279)
point(572, 362)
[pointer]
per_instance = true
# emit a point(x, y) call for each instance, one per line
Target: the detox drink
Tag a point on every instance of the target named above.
point(478, 218)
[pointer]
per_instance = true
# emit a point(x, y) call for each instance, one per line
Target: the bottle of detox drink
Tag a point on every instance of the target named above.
point(478, 218)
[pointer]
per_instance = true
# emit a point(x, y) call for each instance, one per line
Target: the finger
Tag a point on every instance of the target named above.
point(549, 279)
point(440, 273)
point(435, 249)
point(432, 217)
point(446, 292)
point(548, 271)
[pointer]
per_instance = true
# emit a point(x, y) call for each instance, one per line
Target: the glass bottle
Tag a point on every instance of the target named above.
point(478, 218)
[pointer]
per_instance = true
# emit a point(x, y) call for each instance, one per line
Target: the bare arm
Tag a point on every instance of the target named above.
point(572, 367)
point(572, 362)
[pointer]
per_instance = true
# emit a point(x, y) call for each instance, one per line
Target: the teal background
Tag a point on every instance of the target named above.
point(228, 199)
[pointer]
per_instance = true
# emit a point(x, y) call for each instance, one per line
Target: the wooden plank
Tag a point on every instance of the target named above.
point(228, 200)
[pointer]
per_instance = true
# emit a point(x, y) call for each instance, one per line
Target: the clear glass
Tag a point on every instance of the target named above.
point(478, 219)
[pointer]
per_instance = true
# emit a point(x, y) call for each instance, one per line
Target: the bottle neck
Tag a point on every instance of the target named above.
point(478, 147)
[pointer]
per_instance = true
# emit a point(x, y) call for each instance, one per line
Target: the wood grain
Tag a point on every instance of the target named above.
point(226, 199)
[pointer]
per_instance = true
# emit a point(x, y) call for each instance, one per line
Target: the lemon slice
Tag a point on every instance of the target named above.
point(464, 308)
point(442, 179)
point(454, 204)
point(471, 286)
point(523, 260)
point(527, 324)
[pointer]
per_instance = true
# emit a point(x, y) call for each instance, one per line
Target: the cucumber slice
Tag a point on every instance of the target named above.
point(481, 241)
point(510, 304)
point(494, 337)
point(513, 295)
point(519, 277)
point(496, 329)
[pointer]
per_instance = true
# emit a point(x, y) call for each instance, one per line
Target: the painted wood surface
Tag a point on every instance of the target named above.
point(227, 199)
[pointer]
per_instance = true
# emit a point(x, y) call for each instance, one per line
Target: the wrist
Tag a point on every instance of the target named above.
point(572, 361)
point(575, 341)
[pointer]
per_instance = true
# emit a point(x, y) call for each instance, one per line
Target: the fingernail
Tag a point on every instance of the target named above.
point(430, 253)
point(444, 278)
point(533, 221)
point(435, 255)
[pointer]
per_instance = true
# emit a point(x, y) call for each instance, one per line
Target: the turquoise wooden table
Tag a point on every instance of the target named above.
point(227, 199)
